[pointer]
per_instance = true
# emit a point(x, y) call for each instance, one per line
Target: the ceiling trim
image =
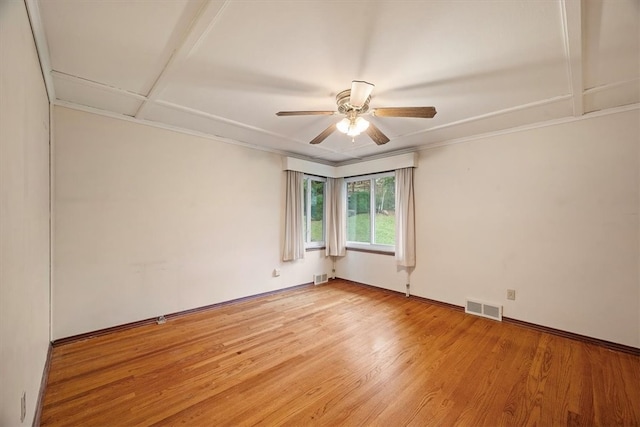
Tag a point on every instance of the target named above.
point(539, 125)
point(198, 23)
point(204, 21)
point(201, 113)
point(491, 115)
point(243, 125)
point(611, 86)
point(193, 111)
point(42, 47)
point(472, 138)
point(101, 86)
point(112, 115)
point(571, 11)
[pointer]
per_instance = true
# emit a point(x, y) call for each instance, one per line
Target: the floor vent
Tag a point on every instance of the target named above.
point(491, 311)
point(320, 278)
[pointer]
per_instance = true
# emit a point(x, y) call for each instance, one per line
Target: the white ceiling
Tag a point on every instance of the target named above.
point(224, 68)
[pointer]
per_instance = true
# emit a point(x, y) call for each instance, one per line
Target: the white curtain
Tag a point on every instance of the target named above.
point(293, 231)
point(336, 214)
point(405, 219)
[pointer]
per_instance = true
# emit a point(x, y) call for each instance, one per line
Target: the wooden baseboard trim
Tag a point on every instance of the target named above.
point(558, 332)
point(100, 332)
point(106, 331)
point(423, 299)
point(577, 337)
point(234, 301)
point(583, 338)
point(43, 386)
point(440, 303)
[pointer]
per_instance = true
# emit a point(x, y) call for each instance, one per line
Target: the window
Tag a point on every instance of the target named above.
point(313, 213)
point(371, 222)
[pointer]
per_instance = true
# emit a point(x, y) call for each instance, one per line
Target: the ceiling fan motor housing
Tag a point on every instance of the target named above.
point(344, 107)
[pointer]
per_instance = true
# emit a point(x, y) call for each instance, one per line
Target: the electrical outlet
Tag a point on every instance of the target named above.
point(23, 406)
point(276, 272)
point(511, 294)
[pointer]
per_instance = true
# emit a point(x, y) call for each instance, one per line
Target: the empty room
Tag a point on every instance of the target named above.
point(319, 212)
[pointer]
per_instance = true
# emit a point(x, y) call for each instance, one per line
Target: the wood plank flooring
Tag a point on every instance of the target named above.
point(338, 354)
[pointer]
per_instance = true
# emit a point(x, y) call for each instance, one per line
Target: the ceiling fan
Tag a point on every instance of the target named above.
point(353, 103)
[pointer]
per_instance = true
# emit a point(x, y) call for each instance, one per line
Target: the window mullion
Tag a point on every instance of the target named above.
point(383, 240)
point(372, 210)
point(308, 224)
point(324, 213)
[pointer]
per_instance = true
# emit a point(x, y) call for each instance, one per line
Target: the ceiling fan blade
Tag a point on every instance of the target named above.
point(420, 112)
point(376, 134)
point(323, 135)
point(305, 113)
point(360, 91)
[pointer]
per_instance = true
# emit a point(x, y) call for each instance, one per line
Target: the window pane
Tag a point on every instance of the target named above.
point(385, 223)
point(358, 211)
point(317, 211)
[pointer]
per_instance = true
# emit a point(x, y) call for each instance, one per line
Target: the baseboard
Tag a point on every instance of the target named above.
point(43, 387)
point(391, 291)
point(123, 327)
point(577, 337)
point(558, 332)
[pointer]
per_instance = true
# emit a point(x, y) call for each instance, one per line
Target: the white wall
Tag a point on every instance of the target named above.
point(371, 269)
point(550, 212)
point(150, 221)
point(24, 216)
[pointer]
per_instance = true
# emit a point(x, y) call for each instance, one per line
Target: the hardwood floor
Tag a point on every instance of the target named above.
point(338, 354)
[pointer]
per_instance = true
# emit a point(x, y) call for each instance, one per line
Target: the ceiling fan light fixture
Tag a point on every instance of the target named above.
point(352, 126)
point(361, 125)
point(343, 125)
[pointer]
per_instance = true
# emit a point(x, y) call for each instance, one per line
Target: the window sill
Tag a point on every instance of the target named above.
point(315, 248)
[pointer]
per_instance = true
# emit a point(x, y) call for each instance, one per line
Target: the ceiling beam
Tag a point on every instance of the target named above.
point(90, 83)
point(517, 108)
point(213, 117)
point(572, 32)
point(203, 22)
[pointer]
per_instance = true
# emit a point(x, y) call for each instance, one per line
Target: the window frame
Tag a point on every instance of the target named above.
point(308, 244)
point(369, 247)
